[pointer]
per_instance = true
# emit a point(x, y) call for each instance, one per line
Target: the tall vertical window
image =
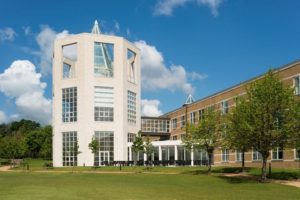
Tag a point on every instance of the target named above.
point(192, 117)
point(68, 144)
point(225, 155)
point(131, 137)
point(174, 123)
point(103, 59)
point(69, 58)
point(239, 155)
point(297, 153)
point(106, 147)
point(182, 121)
point(104, 104)
point(67, 71)
point(131, 66)
point(277, 154)
point(256, 155)
point(201, 114)
point(131, 107)
point(69, 104)
point(297, 85)
point(224, 107)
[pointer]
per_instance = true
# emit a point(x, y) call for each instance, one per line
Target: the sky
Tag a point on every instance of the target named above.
point(196, 47)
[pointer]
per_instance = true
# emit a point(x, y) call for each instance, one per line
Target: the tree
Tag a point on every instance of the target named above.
point(137, 146)
point(273, 116)
point(46, 150)
point(238, 129)
point(12, 147)
point(94, 146)
point(76, 152)
point(205, 135)
point(148, 149)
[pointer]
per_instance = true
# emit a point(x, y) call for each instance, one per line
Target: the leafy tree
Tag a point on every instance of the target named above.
point(94, 146)
point(12, 147)
point(238, 129)
point(205, 135)
point(46, 150)
point(148, 148)
point(272, 116)
point(137, 146)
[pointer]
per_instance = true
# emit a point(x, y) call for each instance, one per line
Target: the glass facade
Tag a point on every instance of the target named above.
point(200, 154)
point(67, 71)
point(104, 102)
point(69, 142)
point(69, 104)
point(256, 155)
point(168, 152)
point(225, 155)
point(106, 150)
point(103, 59)
point(131, 107)
point(153, 125)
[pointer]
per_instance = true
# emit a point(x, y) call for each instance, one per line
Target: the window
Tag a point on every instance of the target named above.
point(69, 104)
point(182, 121)
point(174, 123)
point(103, 104)
point(155, 125)
point(297, 85)
point(200, 154)
point(103, 59)
point(131, 66)
point(224, 107)
point(239, 156)
point(297, 154)
point(201, 114)
point(277, 154)
point(131, 107)
point(67, 71)
point(192, 118)
point(225, 155)
point(174, 137)
point(131, 137)
point(256, 156)
point(106, 144)
point(68, 144)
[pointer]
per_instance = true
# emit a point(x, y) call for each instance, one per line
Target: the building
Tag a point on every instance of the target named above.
point(192, 112)
point(96, 94)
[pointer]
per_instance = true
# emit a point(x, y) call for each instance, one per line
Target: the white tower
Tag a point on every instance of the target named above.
point(96, 94)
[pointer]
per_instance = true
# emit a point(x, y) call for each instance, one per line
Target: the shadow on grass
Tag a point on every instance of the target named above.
point(239, 179)
point(285, 175)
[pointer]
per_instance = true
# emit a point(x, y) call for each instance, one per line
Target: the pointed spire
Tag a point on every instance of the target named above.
point(189, 100)
point(96, 29)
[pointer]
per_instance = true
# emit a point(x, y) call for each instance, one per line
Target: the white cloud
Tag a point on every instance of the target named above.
point(166, 7)
point(155, 75)
point(150, 108)
point(45, 40)
point(22, 83)
point(3, 117)
point(27, 30)
point(128, 32)
point(7, 34)
point(116, 25)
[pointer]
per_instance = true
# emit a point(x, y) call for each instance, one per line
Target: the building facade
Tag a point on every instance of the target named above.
point(192, 112)
point(96, 94)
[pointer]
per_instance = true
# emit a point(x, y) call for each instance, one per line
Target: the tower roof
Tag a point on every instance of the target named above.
point(189, 100)
point(96, 29)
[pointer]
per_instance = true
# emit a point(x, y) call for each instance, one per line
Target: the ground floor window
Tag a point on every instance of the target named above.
point(225, 155)
point(130, 137)
point(69, 142)
point(297, 154)
point(256, 156)
point(277, 154)
point(168, 152)
point(200, 154)
point(239, 156)
point(106, 150)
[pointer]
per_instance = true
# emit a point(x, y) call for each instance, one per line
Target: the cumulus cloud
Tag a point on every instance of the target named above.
point(45, 40)
point(7, 34)
point(150, 107)
point(22, 83)
point(155, 75)
point(166, 7)
point(3, 117)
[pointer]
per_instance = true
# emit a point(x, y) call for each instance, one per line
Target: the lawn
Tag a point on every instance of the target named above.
point(76, 186)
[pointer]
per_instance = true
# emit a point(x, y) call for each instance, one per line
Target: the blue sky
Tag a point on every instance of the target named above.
point(188, 46)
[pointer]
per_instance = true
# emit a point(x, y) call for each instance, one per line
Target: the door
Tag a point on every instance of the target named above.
point(104, 157)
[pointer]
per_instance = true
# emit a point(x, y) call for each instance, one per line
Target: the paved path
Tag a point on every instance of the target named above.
point(4, 168)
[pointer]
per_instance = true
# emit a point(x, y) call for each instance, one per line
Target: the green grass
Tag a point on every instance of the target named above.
point(76, 186)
